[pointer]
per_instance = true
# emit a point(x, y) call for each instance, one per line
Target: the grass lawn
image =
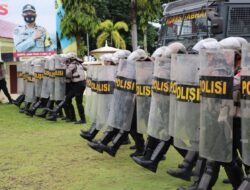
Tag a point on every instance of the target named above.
point(37, 154)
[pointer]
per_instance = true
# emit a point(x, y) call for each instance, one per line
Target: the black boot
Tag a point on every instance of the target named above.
point(245, 185)
point(156, 157)
point(49, 105)
point(151, 144)
point(100, 145)
point(19, 100)
point(90, 134)
point(52, 117)
point(117, 142)
point(210, 176)
point(184, 170)
point(234, 173)
point(33, 109)
point(198, 172)
point(26, 108)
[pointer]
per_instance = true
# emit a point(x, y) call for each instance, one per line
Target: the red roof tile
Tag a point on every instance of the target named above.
point(6, 29)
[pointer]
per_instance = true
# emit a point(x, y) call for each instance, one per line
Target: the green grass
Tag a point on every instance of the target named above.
point(37, 154)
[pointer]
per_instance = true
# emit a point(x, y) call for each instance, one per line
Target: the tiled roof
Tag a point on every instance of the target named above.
point(6, 29)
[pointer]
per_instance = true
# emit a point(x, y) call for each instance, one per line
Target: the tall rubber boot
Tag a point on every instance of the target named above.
point(19, 100)
point(156, 157)
point(210, 176)
point(91, 133)
point(44, 112)
point(107, 137)
point(184, 170)
point(150, 145)
point(234, 173)
point(32, 111)
point(26, 107)
point(117, 142)
point(56, 108)
point(245, 185)
point(198, 172)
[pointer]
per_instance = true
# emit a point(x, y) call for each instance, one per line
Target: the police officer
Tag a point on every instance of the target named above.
point(31, 37)
point(3, 85)
point(78, 84)
point(108, 59)
point(233, 169)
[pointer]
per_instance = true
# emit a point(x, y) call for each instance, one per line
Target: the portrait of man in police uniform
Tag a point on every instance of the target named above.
point(31, 37)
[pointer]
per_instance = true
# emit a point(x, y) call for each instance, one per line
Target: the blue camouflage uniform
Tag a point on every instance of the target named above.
point(24, 42)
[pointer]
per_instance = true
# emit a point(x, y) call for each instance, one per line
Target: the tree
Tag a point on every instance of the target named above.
point(133, 14)
point(147, 11)
point(79, 19)
point(111, 30)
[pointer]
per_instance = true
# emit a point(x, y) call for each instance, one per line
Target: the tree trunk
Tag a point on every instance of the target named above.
point(145, 39)
point(133, 24)
point(78, 43)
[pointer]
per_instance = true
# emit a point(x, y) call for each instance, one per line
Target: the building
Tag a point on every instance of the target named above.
point(7, 50)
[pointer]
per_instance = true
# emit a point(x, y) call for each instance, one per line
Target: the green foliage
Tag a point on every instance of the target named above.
point(109, 29)
point(79, 19)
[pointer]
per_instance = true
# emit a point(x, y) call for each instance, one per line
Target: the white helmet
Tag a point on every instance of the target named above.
point(138, 54)
point(208, 43)
point(177, 47)
point(106, 57)
point(234, 43)
point(120, 54)
point(162, 54)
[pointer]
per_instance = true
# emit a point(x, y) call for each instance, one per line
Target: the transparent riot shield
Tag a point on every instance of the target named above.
point(51, 80)
point(45, 85)
point(172, 104)
point(144, 76)
point(88, 91)
point(94, 100)
point(216, 86)
point(30, 85)
point(25, 76)
point(245, 104)
point(187, 113)
point(105, 90)
point(159, 108)
point(20, 81)
point(123, 103)
point(60, 79)
point(38, 75)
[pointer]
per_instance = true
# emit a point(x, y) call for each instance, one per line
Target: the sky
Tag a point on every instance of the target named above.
point(45, 9)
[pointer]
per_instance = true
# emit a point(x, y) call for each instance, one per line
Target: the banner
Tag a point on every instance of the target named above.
point(34, 31)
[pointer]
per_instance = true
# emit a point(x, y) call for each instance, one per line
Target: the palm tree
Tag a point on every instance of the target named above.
point(111, 30)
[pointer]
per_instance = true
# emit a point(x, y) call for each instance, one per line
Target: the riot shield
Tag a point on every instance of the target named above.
point(25, 76)
point(187, 113)
point(45, 85)
point(172, 104)
point(105, 89)
point(144, 76)
point(216, 87)
point(159, 108)
point(51, 80)
point(88, 91)
point(123, 103)
point(20, 81)
point(60, 79)
point(30, 85)
point(94, 103)
point(245, 104)
point(38, 75)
